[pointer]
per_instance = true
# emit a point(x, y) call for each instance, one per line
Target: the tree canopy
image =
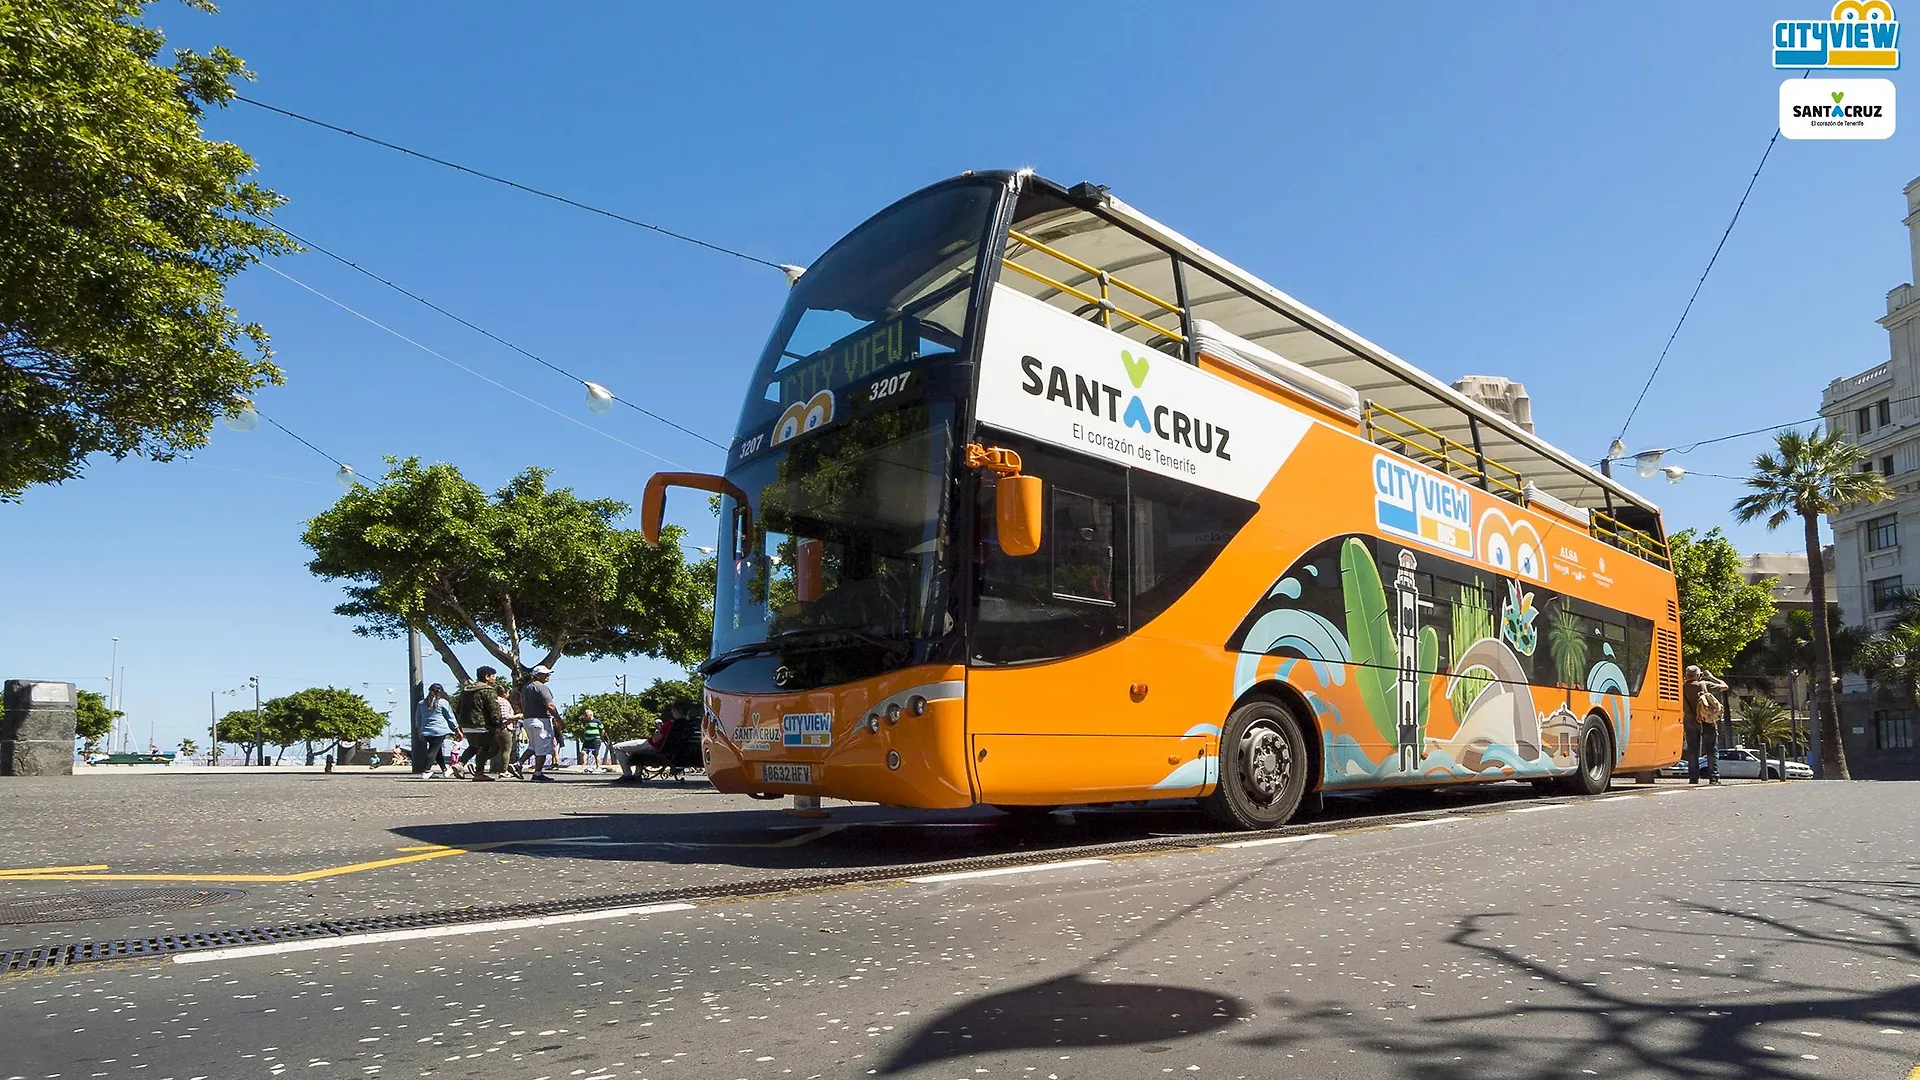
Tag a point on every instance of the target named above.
point(92, 720)
point(120, 225)
point(1720, 613)
point(313, 717)
point(630, 716)
point(528, 565)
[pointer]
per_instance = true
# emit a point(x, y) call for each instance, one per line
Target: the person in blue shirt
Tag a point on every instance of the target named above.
point(436, 724)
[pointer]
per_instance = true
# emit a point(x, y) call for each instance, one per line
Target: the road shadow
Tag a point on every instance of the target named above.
point(1078, 1010)
point(1613, 1028)
point(871, 836)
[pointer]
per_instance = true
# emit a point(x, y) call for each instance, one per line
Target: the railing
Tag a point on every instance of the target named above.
point(1608, 530)
point(1440, 452)
point(1107, 282)
point(1842, 388)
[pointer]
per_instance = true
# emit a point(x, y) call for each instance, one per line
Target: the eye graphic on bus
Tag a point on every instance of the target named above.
point(803, 416)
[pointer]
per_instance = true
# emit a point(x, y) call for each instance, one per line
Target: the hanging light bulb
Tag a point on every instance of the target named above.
point(1675, 474)
point(793, 273)
point(346, 475)
point(245, 419)
point(599, 398)
point(1617, 450)
point(1647, 463)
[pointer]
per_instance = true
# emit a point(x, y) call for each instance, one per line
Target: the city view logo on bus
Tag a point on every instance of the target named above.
point(1860, 35)
point(1101, 400)
point(803, 416)
point(1420, 506)
point(806, 729)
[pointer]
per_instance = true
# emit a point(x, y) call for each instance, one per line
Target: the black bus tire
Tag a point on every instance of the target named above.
point(1594, 772)
point(1263, 767)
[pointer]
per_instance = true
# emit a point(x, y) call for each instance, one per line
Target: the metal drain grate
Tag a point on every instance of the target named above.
point(48, 956)
point(109, 904)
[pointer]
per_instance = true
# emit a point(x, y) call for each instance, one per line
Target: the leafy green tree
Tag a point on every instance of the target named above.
point(621, 716)
point(664, 692)
point(189, 749)
point(321, 715)
point(1767, 723)
point(1891, 661)
point(529, 565)
point(92, 720)
point(120, 225)
point(244, 729)
point(1807, 475)
point(1720, 613)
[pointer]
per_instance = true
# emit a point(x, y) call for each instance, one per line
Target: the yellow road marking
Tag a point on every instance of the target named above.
point(423, 852)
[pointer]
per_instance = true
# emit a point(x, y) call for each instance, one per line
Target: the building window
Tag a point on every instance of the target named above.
point(1866, 466)
point(1886, 593)
point(1883, 533)
point(1863, 419)
point(1886, 465)
point(1892, 730)
point(1883, 411)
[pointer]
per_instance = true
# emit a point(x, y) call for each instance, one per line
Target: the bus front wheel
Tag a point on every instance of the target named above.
point(1595, 772)
point(1263, 767)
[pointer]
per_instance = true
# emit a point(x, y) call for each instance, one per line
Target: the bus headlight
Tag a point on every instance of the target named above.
point(873, 722)
point(893, 759)
point(893, 713)
point(918, 704)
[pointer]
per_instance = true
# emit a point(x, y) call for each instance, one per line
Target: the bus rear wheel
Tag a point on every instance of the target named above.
point(1595, 771)
point(1263, 767)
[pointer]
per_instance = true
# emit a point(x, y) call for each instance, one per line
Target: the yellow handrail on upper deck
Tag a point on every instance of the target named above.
point(1476, 466)
point(1104, 301)
point(1607, 529)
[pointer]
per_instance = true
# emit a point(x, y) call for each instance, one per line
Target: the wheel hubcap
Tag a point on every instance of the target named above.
point(1266, 762)
point(1595, 754)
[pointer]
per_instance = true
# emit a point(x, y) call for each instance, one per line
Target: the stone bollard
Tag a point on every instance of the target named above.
point(36, 735)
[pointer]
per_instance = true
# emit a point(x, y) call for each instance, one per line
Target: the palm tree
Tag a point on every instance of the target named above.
point(1891, 660)
point(1808, 475)
point(1569, 649)
point(1767, 722)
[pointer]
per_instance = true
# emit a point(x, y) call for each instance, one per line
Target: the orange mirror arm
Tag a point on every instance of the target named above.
point(653, 502)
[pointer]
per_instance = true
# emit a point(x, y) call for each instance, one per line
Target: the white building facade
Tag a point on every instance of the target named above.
point(1877, 548)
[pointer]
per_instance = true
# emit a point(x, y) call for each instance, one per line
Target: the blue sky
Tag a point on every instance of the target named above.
point(1517, 191)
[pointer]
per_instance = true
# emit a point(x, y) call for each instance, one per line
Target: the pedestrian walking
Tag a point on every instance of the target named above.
point(436, 724)
point(506, 728)
point(479, 717)
point(589, 741)
point(540, 718)
point(1700, 721)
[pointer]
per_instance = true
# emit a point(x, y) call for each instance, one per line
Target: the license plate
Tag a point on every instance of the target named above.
point(786, 774)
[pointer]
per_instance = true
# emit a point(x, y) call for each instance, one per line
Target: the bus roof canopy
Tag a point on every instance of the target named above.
point(1248, 307)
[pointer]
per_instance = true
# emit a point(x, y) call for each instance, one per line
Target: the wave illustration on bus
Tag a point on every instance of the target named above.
point(1034, 502)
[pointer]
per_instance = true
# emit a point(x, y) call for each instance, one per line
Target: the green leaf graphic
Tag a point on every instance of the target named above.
point(1136, 368)
point(1376, 660)
point(1429, 660)
point(1837, 95)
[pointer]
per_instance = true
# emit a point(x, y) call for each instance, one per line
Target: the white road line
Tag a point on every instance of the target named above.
point(1616, 798)
point(1266, 841)
point(348, 941)
point(1537, 809)
point(1424, 822)
point(963, 875)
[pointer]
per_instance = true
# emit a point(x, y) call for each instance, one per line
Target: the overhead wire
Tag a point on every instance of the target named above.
point(481, 330)
point(515, 184)
point(429, 350)
point(1715, 257)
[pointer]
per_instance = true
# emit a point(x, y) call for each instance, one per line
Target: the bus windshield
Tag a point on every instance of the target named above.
point(846, 440)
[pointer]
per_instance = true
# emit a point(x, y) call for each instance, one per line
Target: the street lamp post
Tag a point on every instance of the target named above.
point(113, 665)
point(259, 734)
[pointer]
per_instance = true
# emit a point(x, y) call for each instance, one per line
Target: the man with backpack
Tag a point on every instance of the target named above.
point(1701, 723)
point(480, 720)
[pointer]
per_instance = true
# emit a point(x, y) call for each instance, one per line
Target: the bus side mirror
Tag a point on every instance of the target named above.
point(1017, 514)
point(653, 500)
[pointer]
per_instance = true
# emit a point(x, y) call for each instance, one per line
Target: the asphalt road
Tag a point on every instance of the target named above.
point(1743, 931)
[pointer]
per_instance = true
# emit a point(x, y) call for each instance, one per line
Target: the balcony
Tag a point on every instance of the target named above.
point(1841, 389)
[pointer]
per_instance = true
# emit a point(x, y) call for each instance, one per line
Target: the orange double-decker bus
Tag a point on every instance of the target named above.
point(1035, 502)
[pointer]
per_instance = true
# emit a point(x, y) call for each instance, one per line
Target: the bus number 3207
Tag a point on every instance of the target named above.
point(889, 386)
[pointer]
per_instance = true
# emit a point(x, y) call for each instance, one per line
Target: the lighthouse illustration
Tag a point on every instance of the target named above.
point(1407, 629)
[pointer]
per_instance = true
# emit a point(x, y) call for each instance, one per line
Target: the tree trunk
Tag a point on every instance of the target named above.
point(446, 654)
point(1833, 754)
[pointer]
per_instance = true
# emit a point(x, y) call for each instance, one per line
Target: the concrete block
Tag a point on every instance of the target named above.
point(37, 729)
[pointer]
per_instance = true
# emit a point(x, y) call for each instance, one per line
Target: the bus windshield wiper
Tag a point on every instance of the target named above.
point(732, 656)
point(813, 634)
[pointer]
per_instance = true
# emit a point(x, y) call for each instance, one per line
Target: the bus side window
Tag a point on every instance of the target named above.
point(1177, 530)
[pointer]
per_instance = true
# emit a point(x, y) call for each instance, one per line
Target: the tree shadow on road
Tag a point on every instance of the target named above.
point(1594, 1027)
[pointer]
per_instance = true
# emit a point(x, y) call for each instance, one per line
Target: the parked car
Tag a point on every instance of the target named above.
point(1740, 763)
